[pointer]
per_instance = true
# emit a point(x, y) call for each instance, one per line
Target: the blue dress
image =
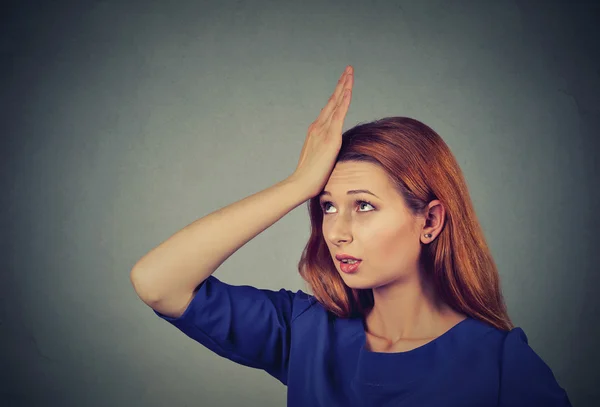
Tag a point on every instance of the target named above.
point(323, 361)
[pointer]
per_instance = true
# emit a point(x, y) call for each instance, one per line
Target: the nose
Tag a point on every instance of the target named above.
point(339, 231)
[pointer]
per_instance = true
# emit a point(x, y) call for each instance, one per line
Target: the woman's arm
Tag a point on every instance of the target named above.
point(166, 277)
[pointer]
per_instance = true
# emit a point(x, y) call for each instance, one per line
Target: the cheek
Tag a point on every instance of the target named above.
point(391, 245)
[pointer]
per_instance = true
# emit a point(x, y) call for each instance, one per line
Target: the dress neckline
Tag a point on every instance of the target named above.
point(418, 349)
point(413, 366)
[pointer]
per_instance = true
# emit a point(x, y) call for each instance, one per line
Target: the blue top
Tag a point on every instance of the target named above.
point(323, 361)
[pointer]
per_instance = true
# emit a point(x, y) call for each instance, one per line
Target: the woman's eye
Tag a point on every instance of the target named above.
point(359, 203)
point(366, 203)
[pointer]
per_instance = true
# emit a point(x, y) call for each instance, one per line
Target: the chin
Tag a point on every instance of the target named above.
point(360, 282)
point(356, 281)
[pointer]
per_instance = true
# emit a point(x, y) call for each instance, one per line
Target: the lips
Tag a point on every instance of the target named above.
point(342, 256)
point(350, 268)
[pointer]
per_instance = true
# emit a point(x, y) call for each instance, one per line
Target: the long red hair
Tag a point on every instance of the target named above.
point(422, 167)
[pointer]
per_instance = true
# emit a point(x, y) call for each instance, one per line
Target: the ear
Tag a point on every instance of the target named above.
point(434, 214)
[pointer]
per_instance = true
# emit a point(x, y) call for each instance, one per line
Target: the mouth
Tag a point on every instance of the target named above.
point(351, 267)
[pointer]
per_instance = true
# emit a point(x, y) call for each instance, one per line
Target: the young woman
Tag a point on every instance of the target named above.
point(406, 308)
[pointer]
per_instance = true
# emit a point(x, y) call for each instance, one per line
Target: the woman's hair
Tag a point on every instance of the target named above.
point(422, 168)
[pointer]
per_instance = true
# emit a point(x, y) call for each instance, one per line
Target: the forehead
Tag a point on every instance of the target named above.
point(354, 174)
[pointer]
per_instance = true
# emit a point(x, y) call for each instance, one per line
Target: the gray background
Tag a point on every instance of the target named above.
point(122, 122)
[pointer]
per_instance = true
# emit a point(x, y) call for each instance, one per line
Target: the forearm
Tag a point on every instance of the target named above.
point(179, 264)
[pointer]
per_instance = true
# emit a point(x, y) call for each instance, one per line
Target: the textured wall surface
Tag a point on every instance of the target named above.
point(124, 121)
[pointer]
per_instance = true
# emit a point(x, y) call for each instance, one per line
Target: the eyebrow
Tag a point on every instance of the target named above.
point(351, 192)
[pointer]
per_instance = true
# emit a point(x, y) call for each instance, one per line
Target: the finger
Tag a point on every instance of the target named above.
point(333, 100)
point(347, 86)
point(337, 118)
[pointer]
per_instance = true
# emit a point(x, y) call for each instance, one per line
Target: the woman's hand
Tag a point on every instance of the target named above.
point(324, 138)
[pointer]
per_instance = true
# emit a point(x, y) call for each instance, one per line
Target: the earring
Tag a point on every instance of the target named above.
point(428, 235)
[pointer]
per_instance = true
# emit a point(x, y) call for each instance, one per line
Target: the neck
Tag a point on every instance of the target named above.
point(406, 309)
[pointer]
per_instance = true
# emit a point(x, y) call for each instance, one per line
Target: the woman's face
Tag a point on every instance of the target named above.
point(384, 234)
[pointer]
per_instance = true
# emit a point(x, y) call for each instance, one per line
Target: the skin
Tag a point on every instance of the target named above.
point(388, 239)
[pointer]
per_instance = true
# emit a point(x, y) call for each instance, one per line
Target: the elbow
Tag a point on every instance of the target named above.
point(142, 286)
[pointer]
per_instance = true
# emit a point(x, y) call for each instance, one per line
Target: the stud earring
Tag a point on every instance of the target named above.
point(428, 235)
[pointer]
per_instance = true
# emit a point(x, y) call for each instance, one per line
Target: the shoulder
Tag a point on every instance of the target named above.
point(516, 353)
point(302, 302)
point(525, 378)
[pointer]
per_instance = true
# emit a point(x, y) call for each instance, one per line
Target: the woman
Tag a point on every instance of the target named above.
point(417, 320)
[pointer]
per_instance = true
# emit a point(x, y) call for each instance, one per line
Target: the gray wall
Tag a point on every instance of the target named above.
point(122, 122)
